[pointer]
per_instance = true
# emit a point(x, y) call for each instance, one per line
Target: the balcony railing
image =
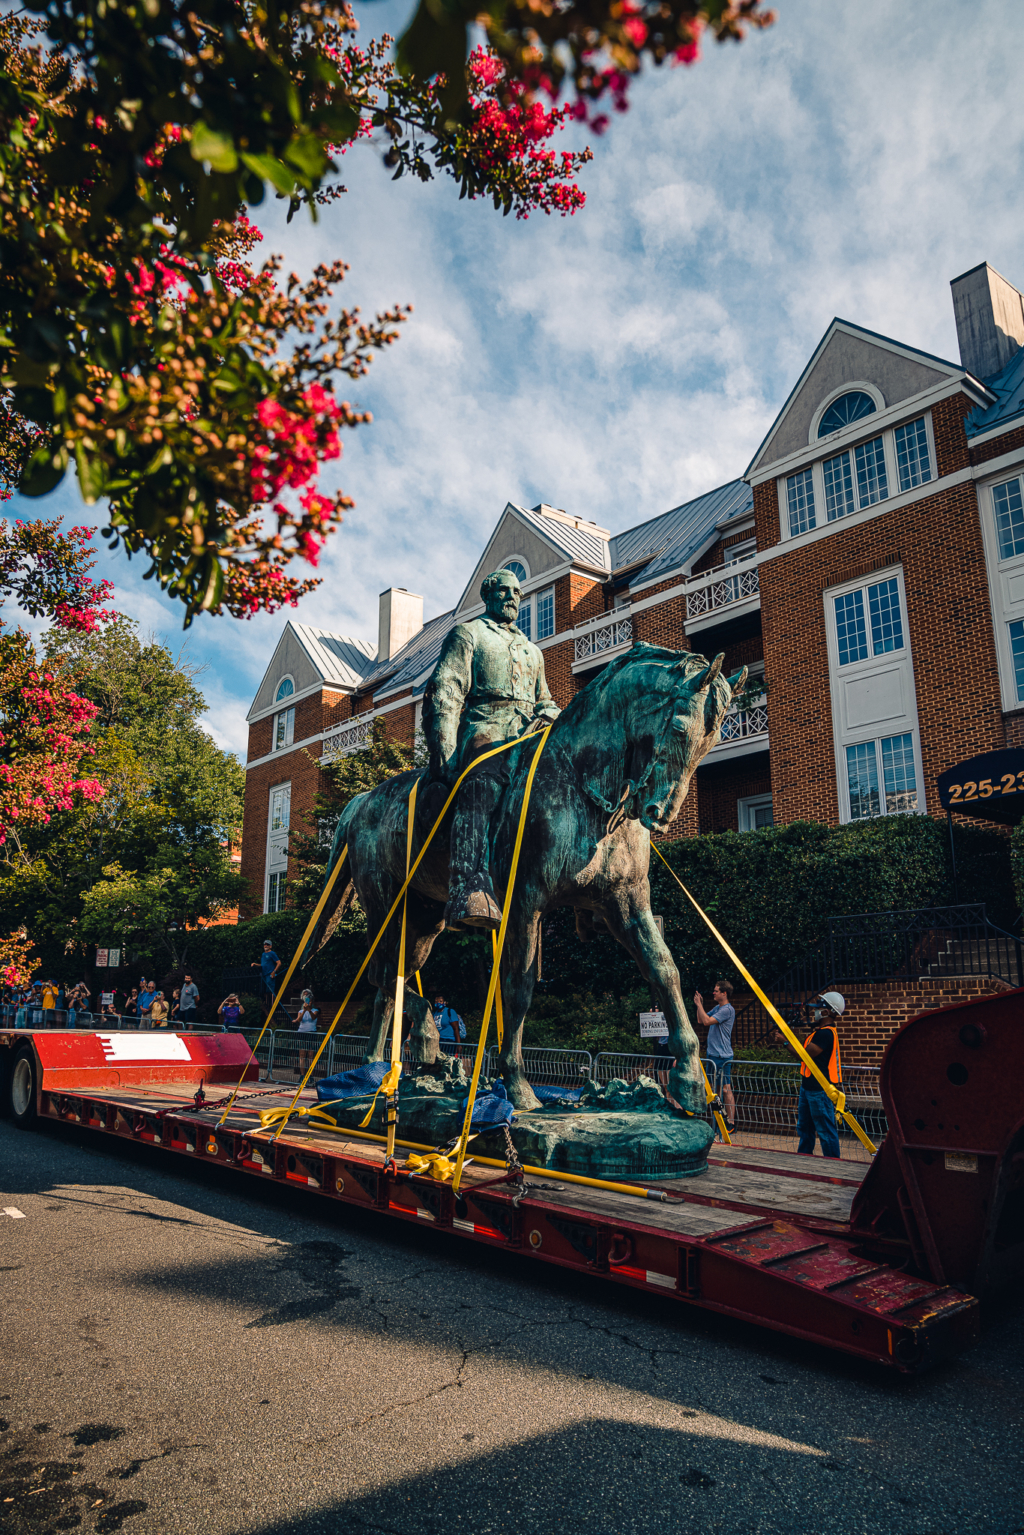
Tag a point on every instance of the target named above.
point(347, 738)
point(722, 590)
point(602, 637)
point(741, 724)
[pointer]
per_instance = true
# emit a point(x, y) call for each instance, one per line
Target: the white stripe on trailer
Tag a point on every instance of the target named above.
point(667, 1281)
point(464, 1226)
point(143, 1047)
point(428, 1215)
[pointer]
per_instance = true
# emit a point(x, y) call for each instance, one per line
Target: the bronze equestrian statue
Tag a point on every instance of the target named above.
point(617, 766)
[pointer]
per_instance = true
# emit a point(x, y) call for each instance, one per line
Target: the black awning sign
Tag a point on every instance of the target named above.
point(990, 786)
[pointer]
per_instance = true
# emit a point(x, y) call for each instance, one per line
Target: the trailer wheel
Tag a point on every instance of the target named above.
point(20, 1089)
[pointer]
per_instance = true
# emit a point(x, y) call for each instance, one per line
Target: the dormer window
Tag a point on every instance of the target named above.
point(844, 411)
point(518, 569)
point(285, 689)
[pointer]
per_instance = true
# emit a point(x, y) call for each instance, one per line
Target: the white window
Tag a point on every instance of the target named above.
point(276, 888)
point(838, 487)
point(898, 789)
point(800, 494)
point(912, 457)
point(284, 728)
point(545, 613)
point(280, 807)
point(754, 812)
point(525, 619)
point(741, 551)
point(874, 704)
point(1009, 511)
point(872, 483)
point(286, 688)
point(518, 569)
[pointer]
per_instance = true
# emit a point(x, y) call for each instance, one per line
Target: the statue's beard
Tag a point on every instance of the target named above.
point(510, 612)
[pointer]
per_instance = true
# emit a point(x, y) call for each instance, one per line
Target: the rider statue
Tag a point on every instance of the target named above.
point(488, 687)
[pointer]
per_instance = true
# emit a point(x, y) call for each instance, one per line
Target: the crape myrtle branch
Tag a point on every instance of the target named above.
point(136, 339)
point(591, 48)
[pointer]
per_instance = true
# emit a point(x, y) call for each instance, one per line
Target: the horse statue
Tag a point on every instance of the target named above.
point(616, 767)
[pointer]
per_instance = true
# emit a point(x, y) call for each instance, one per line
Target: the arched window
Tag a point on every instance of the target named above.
point(285, 688)
point(518, 569)
point(844, 411)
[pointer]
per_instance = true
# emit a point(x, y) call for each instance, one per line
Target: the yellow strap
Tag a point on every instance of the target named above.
point(389, 1087)
point(438, 1165)
point(837, 1096)
point(719, 1120)
point(497, 948)
point(499, 1017)
point(492, 752)
point(311, 924)
point(396, 1021)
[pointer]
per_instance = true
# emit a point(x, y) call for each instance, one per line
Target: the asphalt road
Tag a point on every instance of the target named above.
point(186, 1351)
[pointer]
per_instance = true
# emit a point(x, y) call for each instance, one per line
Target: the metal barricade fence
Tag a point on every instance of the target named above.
point(767, 1095)
point(293, 1056)
point(618, 1066)
point(97, 1023)
point(264, 1050)
point(552, 1068)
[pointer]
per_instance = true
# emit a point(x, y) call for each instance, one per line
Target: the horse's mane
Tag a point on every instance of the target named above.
point(593, 694)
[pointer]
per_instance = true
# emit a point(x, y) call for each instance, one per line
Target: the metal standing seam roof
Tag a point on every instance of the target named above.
point(577, 542)
point(336, 657)
point(676, 537)
point(1008, 388)
point(414, 658)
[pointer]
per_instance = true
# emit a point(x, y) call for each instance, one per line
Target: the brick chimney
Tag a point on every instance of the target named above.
point(989, 320)
point(401, 616)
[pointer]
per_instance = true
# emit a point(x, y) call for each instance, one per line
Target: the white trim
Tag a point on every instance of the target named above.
point(858, 386)
point(747, 746)
point(858, 431)
point(1003, 576)
point(865, 514)
point(840, 737)
point(340, 688)
point(996, 466)
point(1012, 425)
point(285, 752)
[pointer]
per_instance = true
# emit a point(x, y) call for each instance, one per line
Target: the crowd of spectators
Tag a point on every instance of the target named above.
point(49, 1002)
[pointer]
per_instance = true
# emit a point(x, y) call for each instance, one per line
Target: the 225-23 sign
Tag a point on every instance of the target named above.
point(984, 788)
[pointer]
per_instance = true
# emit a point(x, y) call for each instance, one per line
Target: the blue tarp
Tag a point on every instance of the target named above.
point(492, 1108)
point(557, 1094)
point(360, 1082)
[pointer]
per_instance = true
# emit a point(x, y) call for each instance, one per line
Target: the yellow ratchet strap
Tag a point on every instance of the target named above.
point(497, 948)
point(436, 1164)
point(709, 1098)
point(491, 752)
point(314, 919)
point(836, 1095)
point(499, 1017)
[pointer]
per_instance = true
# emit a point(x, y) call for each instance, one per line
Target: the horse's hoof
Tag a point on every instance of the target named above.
point(476, 910)
point(523, 1098)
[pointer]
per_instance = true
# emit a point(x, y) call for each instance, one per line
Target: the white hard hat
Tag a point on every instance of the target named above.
point(835, 1001)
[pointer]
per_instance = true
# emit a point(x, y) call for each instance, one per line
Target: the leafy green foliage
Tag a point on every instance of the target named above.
point(147, 860)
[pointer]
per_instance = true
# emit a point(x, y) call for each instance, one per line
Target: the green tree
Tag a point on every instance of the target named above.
point(151, 853)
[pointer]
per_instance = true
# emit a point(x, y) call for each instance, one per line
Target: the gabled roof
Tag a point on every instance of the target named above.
point(924, 364)
point(414, 658)
point(336, 657)
point(578, 543)
point(677, 537)
point(1008, 388)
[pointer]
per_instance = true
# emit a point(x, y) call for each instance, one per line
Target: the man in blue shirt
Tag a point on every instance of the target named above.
point(269, 965)
point(719, 1022)
point(447, 1020)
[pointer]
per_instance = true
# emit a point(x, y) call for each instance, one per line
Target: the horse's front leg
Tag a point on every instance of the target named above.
point(380, 1029)
point(519, 967)
point(640, 935)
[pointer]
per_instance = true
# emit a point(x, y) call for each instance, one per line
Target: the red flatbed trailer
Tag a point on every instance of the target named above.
point(860, 1258)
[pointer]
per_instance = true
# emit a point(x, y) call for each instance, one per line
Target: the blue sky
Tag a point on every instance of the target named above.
point(850, 161)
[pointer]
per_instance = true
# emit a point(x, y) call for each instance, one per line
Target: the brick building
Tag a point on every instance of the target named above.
point(869, 564)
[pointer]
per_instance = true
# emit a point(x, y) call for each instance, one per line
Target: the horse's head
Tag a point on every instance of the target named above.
point(642, 727)
point(694, 726)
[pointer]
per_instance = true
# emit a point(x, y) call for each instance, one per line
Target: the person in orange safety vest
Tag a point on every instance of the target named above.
point(816, 1116)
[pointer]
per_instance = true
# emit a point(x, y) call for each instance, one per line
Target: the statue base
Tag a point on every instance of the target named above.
point(618, 1132)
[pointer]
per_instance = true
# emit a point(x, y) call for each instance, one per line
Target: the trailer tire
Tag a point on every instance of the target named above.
point(19, 1089)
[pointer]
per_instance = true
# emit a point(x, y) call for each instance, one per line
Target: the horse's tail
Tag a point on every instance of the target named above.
point(343, 894)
